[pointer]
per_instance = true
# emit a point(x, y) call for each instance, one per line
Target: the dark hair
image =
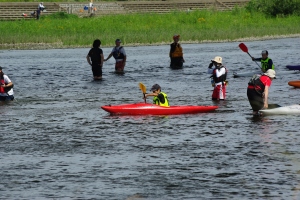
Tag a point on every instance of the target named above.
point(96, 43)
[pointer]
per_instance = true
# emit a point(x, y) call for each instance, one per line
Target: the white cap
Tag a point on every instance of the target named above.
point(217, 59)
point(270, 73)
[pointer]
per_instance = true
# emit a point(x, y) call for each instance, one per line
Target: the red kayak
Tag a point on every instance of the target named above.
point(152, 109)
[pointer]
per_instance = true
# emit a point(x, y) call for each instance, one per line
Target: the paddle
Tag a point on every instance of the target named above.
point(244, 48)
point(143, 88)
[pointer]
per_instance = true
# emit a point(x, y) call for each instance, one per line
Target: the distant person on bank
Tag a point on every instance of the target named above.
point(266, 62)
point(176, 53)
point(41, 6)
point(6, 85)
point(95, 59)
point(118, 52)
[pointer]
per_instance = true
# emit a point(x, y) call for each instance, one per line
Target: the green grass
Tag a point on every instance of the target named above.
point(62, 1)
point(134, 29)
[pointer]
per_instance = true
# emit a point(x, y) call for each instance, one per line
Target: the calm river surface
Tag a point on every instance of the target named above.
point(57, 143)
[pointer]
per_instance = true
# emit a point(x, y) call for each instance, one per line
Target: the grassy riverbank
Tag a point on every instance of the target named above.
point(62, 30)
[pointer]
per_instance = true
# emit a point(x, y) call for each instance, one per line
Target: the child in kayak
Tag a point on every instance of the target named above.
point(159, 98)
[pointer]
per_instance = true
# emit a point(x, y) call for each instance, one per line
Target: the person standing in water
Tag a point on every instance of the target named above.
point(119, 54)
point(219, 75)
point(176, 53)
point(258, 90)
point(6, 85)
point(95, 59)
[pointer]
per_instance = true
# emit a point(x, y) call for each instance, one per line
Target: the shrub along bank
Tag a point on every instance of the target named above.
point(65, 30)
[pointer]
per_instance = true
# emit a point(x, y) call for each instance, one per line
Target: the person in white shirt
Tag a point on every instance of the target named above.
point(219, 74)
point(6, 85)
point(41, 6)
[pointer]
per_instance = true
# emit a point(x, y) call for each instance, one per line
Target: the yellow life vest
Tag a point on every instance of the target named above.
point(265, 65)
point(157, 101)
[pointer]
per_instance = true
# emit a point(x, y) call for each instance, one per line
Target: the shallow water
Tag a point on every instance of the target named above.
point(56, 142)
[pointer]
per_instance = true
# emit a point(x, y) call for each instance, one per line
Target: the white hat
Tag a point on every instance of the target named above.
point(270, 73)
point(217, 59)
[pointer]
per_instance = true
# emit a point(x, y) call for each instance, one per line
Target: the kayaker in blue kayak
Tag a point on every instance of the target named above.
point(159, 98)
point(266, 62)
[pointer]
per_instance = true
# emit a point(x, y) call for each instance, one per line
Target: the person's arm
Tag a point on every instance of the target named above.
point(110, 55)
point(270, 64)
point(124, 60)
point(8, 82)
point(161, 98)
point(172, 49)
point(150, 94)
point(265, 97)
point(88, 59)
point(102, 59)
point(256, 59)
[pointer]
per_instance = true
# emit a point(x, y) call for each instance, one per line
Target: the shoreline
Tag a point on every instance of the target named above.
point(59, 45)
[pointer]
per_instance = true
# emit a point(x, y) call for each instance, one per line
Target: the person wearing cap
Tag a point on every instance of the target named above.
point(95, 59)
point(6, 85)
point(41, 6)
point(258, 90)
point(119, 54)
point(159, 98)
point(176, 54)
point(266, 62)
point(219, 75)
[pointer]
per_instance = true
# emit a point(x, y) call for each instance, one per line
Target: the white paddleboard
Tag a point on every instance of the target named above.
point(284, 110)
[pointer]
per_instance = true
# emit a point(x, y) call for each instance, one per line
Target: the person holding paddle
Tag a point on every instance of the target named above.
point(119, 54)
point(258, 90)
point(219, 75)
point(266, 63)
point(6, 91)
point(176, 54)
point(95, 59)
point(159, 98)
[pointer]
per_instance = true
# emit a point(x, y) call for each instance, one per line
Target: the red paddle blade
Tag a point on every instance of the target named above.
point(243, 47)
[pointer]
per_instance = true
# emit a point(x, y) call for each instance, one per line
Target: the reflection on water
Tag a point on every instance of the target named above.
point(57, 143)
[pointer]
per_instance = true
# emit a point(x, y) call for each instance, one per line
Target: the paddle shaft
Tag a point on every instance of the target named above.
point(244, 48)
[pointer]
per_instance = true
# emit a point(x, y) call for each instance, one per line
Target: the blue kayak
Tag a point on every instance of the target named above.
point(293, 67)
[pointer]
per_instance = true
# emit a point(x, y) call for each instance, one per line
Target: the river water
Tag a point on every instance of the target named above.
point(57, 143)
